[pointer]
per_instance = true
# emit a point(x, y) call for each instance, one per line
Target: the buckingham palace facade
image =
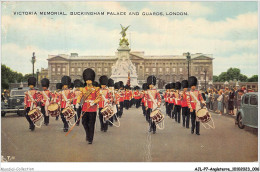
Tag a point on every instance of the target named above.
point(168, 68)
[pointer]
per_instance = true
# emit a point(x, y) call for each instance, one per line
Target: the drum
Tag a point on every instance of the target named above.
point(68, 113)
point(203, 115)
point(35, 115)
point(157, 116)
point(107, 112)
point(54, 109)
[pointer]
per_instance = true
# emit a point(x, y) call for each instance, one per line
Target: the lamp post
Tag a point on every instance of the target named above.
point(205, 71)
point(33, 61)
point(188, 60)
point(37, 77)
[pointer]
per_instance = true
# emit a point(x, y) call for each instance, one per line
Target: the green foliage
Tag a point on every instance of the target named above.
point(254, 78)
point(215, 78)
point(223, 77)
point(242, 78)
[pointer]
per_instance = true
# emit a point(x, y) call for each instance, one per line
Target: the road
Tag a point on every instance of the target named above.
point(131, 142)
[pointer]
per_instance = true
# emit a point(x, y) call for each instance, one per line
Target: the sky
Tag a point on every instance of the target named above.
point(227, 30)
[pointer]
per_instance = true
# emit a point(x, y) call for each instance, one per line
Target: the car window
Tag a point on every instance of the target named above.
point(17, 92)
point(246, 99)
point(253, 100)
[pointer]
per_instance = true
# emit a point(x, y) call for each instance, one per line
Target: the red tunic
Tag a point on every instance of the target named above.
point(121, 95)
point(94, 97)
point(75, 96)
point(137, 95)
point(156, 96)
point(128, 95)
point(43, 98)
point(184, 99)
point(171, 98)
point(192, 100)
point(105, 93)
point(63, 101)
point(177, 98)
point(27, 99)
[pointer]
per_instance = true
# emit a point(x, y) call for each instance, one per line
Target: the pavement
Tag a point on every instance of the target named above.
point(131, 142)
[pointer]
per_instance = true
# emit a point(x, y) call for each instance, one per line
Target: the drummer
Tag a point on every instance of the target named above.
point(105, 100)
point(153, 100)
point(56, 96)
point(116, 88)
point(45, 97)
point(184, 104)
point(121, 94)
point(166, 98)
point(194, 96)
point(171, 100)
point(111, 85)
point(177, 107)
point(89, 108)
point(144, 102)
point(30, 101)
point(78, 84)
point(65, 100)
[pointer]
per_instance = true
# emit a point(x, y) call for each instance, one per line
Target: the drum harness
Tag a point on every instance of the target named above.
point(106, 104)
point(38, 126)
point(154, 102)
point(198, 108)
point(67, 104)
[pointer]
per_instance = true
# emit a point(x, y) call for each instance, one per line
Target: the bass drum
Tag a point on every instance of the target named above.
point(54, 109)
point(203, 115)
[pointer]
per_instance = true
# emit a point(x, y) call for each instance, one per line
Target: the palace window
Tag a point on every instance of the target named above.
point(167, 70)
point(63, 69)
point(79, 69)
point(154, 69)
point(147, 70)
point(105, 69)
point(160, 69)
point(53, 69)
point(99, 69)
point(174, 69)
point(58, 69)
point(180, 69)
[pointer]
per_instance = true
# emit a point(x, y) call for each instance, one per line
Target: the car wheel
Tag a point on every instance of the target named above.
point(239, 120)
point(20, 113)
point(3, 114)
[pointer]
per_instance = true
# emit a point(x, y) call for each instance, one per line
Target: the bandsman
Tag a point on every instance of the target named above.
point(78, 85)
point(177, 102)
point(45, 99)
point(185, 104)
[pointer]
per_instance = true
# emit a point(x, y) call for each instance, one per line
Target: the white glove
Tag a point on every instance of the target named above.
point(118, 106)
point(92, 104)
point(77, 106)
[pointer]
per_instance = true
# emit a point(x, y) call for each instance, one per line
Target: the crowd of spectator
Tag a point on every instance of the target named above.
point(224, 101)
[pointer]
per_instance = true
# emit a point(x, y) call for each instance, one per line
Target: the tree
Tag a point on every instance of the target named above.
point(254, 78)
point(215, 78)
point(26, 76)
point(233, 73)
point(242, 78)
point(223, 77)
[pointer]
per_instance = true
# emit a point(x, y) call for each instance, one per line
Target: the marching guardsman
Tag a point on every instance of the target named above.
point(65, 99)
point(77, 84)
point(30, 100)
point(56, 96)
point(45, 97)
point(128, 96)
point(195, 99)
point(121, 93)
point(165, 95)
point(144, 101)
point(185, 104)
point(117, 87)
point(171, 100)
point(137, 96)
point(153, 100)
point(90, 96)
point(177, 102)
point(111, 85)
point(104, 100)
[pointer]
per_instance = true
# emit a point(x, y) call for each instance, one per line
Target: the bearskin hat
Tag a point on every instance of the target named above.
point(117, 85)
point(59, 86)
point(45, 82)
point(177, 85)
point(78, 83)
point(172, 85)
point(32, 81)
point(121, 84)
point(110, 83)
point(65, 80)
point(151, 80)
point(127, 87)
point(192, 81)
point(89, 74)
point(184, 84)
point(145, 86)
point(95, 84)
point(71, 85)
point(103, 80)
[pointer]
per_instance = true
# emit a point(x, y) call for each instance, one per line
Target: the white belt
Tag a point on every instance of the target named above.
point(90, 101)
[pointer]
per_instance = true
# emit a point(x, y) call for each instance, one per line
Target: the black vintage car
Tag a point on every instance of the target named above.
point(15, 103)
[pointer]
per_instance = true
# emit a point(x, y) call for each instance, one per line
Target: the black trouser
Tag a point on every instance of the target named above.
point(170, 110)
point(104, 125)
point(88, 122)
point(46, 118)
point(144, 111)
point(152, 124)
point(32, 126)
point(185, 116)
point(167, 110)
point(65, 123)
point(117, 112)
point(77, 116)
point(137, 103)
point(121, 109)
point(127, 104)
point(194, 123)
point(177, 112)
